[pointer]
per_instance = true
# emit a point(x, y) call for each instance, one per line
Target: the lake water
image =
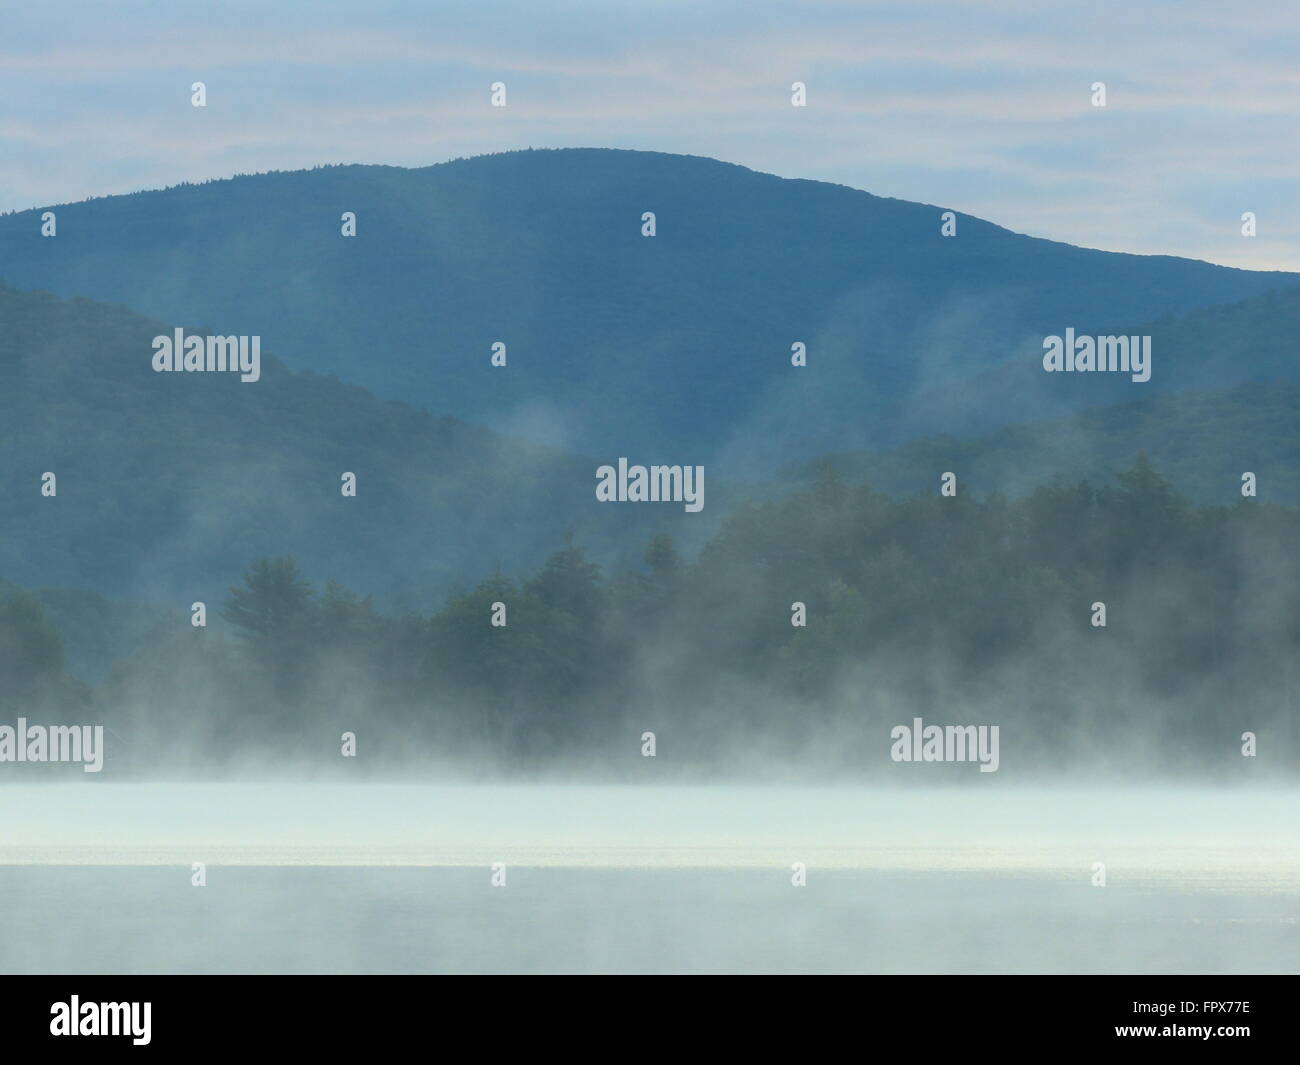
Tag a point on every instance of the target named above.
point(317, 877)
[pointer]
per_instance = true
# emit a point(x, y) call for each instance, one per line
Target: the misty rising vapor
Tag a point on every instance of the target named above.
point(468, 613)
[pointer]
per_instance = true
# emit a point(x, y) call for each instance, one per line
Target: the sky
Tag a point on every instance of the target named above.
point(982, 106)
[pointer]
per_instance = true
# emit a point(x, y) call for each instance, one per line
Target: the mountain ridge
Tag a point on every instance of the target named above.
point(617, 343)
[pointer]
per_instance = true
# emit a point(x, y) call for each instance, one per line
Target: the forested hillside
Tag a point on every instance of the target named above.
point(677, 344)
point(956, 610)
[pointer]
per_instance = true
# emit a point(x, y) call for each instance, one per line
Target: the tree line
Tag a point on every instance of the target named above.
point(803, 630)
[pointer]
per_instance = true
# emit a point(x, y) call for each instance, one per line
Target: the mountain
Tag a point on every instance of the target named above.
point(1205, 349)
point(168, 485)
point(1202, 440)
point(671, 348)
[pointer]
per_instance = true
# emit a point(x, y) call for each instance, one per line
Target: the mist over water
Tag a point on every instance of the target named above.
point(325, 877)
point(362, 607)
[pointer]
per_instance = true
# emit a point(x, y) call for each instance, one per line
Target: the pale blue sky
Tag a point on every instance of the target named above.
point(978, 106)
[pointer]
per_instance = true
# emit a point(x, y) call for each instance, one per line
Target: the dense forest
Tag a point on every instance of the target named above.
point(966, 609)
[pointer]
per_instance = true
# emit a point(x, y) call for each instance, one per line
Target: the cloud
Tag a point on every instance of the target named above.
point(983, 108)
